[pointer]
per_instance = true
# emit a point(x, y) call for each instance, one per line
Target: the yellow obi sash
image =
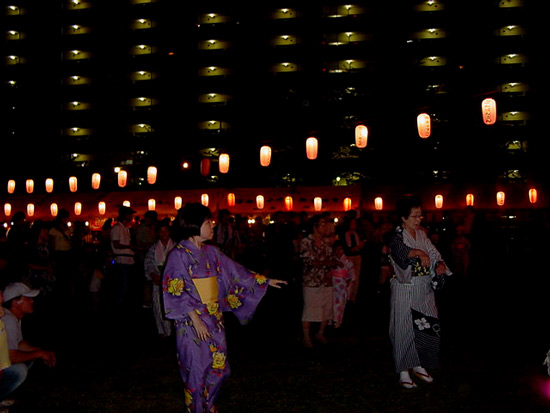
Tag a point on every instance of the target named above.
point(207, 288)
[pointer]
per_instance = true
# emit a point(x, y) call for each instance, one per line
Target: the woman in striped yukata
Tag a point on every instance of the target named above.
point(414, 324)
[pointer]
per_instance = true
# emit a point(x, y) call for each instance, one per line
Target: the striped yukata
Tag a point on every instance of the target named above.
point(414, 325)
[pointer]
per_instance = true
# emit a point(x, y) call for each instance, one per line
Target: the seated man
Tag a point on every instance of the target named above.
point(18, 301)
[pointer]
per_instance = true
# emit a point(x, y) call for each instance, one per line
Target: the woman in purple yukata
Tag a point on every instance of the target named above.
point(199, 284)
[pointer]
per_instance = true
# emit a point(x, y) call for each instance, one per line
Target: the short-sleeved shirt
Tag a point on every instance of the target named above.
point(121, 233)
point(13, 329)
point(4, 351)
point(61, 240)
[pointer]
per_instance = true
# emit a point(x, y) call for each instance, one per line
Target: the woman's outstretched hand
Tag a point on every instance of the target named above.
point(276, 283)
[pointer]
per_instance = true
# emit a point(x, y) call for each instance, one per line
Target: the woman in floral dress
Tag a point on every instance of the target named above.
point(199, 284)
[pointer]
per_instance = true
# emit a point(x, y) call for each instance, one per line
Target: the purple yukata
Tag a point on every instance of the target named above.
point(206, 281)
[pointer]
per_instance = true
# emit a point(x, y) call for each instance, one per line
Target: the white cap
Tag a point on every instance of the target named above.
point(14, 290)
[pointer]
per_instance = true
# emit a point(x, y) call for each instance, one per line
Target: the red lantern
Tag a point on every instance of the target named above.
point(151, 204)
point(7, 209)
point(101, 208)
point(205, 166)
point(533, 195)
point(439, 201)
point(178, 202)
point(96, 180)
point(122, 178)
point(347, 204)
point(30, 210)
point(260, 202)
point(49, 185)
point(73, 184)
point(11, 186)
point(318, 203)
point(265, 155)
point(361, 136)
point(224, 163)
point(231, 199)
point(424, 125)
point(29, 185)
point(378, 203)
point(77, 208)
point(489, 111)
point(311, 148)
point(470, 200)
point(500, 198)
point(289, 203)
point(152, 175)
point(54, 209)
point(205, 199)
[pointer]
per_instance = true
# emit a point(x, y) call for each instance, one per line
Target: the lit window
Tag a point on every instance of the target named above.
point(214, 71)
point(511, 30)
point(284, 14)
point(213, 18)
point(430, 5)
point(284, 40)
point(14, 35)
point(433, 61)
point(512, 59)
point(285, 67)
point(214, 44)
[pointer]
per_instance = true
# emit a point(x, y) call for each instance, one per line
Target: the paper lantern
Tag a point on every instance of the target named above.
point(347, 204)
point(260, 202)
point(470, 200)
point(151, 175)
point(231, 199)
point(29, 185)
point(311, 148)
point(101, 207)
point(439, 201)
point(30, 210)
point(96, 180)
point(533, 195)
point(122, 178)
point(54, 209)
point(11, 186)
point(489, 111)
point(7, 209)
point(289, 203)
point(318, 203)
point(126, 203)
point(500, 198)
point(378, 203)
point(361, 136)
point(49, 185)
point(178, 202)
point(151, 204)
point(424, 125)
point(77, 208)
point(205, 166)
point(205, 199)
point(224, 163)
point(265, 155)
point(73, 184)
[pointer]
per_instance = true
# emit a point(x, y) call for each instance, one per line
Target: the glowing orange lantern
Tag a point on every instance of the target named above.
point(347, 204)
point(289, 203)
point(260, 202)
point(151, 204)
point(312, 145)
point(126, 203)
point(96, 180)
point(265, 155)
point(231, 199)
point(470, 200)
point(30, 210)
point(178, 202)
point(101, 208)
point(361, 136)
point(533, 195)
point(54, 209)
point(439, 201)
point(73, 184)
point(500, 198)
point(205, 166)
point(378, 203)
point(152, 175)
point(489, 111)
point(7, 210)
point(318, 203)
point(205, 199)
point(122, 178)
point(29, 185)
point(224, 163)
point(11, 186)
point(424, 125)
point(49, 185)
point(77, 208)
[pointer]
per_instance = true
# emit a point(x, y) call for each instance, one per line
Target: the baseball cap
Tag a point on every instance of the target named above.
point(17, 289)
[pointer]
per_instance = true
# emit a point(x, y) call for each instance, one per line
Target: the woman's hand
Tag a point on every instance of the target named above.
point(440, 268)
point(276, 283)
point(424, 258)
point(200, 328)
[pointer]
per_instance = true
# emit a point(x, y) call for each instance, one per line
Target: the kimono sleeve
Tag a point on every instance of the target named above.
point(149, 263)
point(399, 251)
point(177, 287)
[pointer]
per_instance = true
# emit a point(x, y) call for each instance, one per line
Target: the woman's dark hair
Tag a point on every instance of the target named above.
point(404, 206)
point(190, 219)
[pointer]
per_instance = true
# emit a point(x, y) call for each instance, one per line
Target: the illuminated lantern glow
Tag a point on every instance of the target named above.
point(122, 178)
point(101, 208)
point(205, 166)
point(439, 201)
point(231, 199)
point(289, 203)
point(7, 210)
point(73, 184)
point(260, 202)
point(54, 209)
point(77, 208)
point(318, 203)
point(151, 204)
point(178, 202)
point(424, 125)
point(29, 185)
point(126, 203)
point(470, 200)
point(312, 147)
point(151, 175)
point(533, 195)
point(361, 136)
point(11, 186)
point(96, 180)
point(30, 210)
point(205, 199)
point(265, 155)
point(489, 111)
point(224, 163)
point(347, 204)
point(49, 185)
point(500, 198)
point(378, 203)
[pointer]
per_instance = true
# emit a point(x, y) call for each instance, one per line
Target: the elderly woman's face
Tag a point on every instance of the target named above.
point(207, 229)
point(412, 222)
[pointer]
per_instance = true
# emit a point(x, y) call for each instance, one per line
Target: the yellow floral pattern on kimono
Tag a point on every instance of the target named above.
point(188, 397)
point(234, 301)
point(260, 279)
point(218, 360)
point(213, 308)
point(175, 286)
